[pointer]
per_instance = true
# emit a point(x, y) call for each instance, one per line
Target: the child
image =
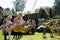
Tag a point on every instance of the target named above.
point(45, 28)
point(6, 25)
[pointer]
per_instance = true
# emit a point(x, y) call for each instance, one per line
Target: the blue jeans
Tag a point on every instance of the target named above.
point(44, 31)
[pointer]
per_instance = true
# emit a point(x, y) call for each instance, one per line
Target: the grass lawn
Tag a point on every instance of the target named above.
point(36, 36)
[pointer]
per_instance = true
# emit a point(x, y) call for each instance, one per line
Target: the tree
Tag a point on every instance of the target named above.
point(43, 14)
point(54, 11)
point(51, 13)
point(28, 12)
point(37, 11)
point(7, 9)
point(57, 6)
point(19, 5)
point(13, 11)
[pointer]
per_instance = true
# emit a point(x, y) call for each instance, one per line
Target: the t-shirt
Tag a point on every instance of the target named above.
point(8, 24)
point(19, 22)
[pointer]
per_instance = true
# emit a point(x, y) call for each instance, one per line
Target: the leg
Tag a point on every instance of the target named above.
point(9, 35)
point(44, 32)
point(14, 34)
point(5, 37)
point(19, 35)
point(51, 34)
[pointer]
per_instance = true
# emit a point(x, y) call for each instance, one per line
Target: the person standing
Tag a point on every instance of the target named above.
point(5, 27)
point(18, 21)
point(1, 15)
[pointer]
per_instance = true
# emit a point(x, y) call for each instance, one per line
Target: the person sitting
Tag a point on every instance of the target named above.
point(31, 27)
point(34, 24)
point(46, 28)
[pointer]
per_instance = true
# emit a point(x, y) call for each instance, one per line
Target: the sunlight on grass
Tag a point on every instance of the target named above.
point(1, 35)
point(36, 36)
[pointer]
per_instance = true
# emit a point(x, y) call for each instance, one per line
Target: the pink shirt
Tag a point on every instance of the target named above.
point(21, 22)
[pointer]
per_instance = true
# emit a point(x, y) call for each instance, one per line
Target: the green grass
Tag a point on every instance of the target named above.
point(37, 36)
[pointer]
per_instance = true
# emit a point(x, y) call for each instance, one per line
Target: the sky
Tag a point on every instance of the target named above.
point(6, 3)
point(29, 4)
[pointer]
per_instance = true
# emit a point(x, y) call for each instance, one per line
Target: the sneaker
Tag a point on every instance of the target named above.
point(44, 37)
point(52, 36)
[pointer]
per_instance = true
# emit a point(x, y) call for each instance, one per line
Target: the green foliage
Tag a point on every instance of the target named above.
point(54, 10)
point(43, 14)
point(13, 11)
point(7, 9)
point(19, 5)
point(57, 6)
point(28, 12)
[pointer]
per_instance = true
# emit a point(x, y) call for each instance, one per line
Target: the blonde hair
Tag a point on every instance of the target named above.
point(19, 12)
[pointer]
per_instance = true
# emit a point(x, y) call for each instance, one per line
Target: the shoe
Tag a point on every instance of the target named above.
point(44, 37)
point(52, 36)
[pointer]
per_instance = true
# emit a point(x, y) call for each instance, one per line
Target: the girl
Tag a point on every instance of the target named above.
point(6, 25)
